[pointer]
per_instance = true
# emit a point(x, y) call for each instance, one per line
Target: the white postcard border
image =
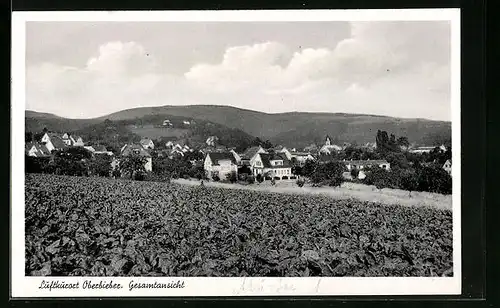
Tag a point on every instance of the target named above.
point(26, 287)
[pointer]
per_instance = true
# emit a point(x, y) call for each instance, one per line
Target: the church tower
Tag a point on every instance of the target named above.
point(328, 140)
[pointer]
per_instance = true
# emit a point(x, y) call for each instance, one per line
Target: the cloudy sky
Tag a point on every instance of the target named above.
point(89, 69)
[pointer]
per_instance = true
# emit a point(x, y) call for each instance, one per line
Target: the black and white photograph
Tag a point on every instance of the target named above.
point(158, 152)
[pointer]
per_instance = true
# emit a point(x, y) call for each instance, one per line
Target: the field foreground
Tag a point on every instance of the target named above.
point(102, 227)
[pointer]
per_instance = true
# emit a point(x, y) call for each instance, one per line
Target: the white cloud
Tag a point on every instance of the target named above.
point(378, 69)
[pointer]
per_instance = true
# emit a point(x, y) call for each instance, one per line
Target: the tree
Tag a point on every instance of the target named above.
point(403, 142)
point(354, 173)
point(28, 136)
point(409, 181)
point(259, 178)
point(309, 168)
point(197, 172)
point(434, 179)
point(256, 142)
point(397, 160)
point(133, 166)
point(250, 179)
point(297, 170)
point(382, 141)
point(381, 178)
point(267, 144)
point(330, 174)
point(72, 161)
point(231, 177)
point(392, 143)
point(101, 165)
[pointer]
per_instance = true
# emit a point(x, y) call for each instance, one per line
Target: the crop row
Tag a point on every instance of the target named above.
point(102, 227)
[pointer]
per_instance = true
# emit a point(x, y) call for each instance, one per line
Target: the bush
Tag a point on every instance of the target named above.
point(259, 178)
point(139, 176)
point(300, 182)
point(38, 165)
point(293, 177)
point(242, 177)
point(268, 178)
point(434, 179)
point(101, 165)
point(250, 179)
point(232, 177)
point(116, 173)
point(215, 178)
point(329, 174)
point(354, 173)
point(284, 178)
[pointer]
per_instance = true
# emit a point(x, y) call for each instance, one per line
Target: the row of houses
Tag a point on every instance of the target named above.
point(275, 164)
point(51, 142)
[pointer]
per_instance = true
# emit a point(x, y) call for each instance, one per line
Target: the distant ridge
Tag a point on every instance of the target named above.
point(290, 128)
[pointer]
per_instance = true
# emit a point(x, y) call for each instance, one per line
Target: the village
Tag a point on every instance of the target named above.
point(219, 163)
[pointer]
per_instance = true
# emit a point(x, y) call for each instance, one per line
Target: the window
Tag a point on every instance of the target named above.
point(258, 163)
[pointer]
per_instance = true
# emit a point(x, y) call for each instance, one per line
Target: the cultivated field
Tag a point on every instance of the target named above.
point(104, 227)
point(347, 190)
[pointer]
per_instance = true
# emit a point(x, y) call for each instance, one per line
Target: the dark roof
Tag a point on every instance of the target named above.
point(57, 142)
point(366, 162)
point(215, 157)
point(40, 148)
point(250, 152)
point(100, 148)
point(145, 140)
point(267, 158)
point(129, 150)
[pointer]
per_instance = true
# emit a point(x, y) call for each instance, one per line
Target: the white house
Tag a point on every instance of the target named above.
point(421, 150)
point(220, 164)
point(78, 141)
point(275, 165)
point(167, 123)
point(363, 164)
point(147, 144)
point(53, 142)
point(186, 122)
point(72, 140)
point(447, 166)
point(300, 157)
point(329, 147)
point(34, 149)
point(251, 152)
point(212, 141)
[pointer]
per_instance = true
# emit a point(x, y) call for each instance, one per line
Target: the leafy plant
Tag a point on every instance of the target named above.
point(96, 226)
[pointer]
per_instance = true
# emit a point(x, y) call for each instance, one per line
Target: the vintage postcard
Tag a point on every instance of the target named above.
point(236, 153)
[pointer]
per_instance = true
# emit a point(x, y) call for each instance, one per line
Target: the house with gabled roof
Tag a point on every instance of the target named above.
point(35, 149)
point(366, 164)
point(72, 140)
point(274, 165)
point(220, 164)
point(147, 144)
point(137, 149)
point(300, 157)
point(53, 142)
point(101, 149)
